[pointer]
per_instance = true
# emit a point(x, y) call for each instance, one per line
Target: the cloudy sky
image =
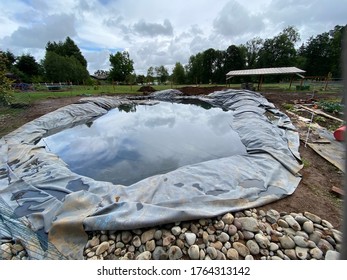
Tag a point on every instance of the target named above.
point(157, 32)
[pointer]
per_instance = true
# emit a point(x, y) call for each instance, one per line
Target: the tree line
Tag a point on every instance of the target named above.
point(64, 62)
point(319, 56)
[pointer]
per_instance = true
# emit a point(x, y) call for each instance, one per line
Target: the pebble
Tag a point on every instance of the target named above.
point(194, 252)
point(190, 238)
point(175, 253)
point(272, 216)
point(314, 218)
point(245, 235)
point(144, 256)
point(249, 223)
point(103, 247)
point(241, 249)
point(287, 242)
point(253, 247)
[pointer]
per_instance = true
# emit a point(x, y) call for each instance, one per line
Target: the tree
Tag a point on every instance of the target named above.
point(208, 65)
point(64, 62)
point(162, 74)
point(5, 83)
point(336, 44)
point(219, 67)
point(235, 58)
point(61, 68)
point(178, 74)
point(252, 52)
point(323, 53)
point(317, 55)
point(150, 75)
point(130, 79)
point(194, 68)
point(121, 66)
point(140, 79)
point(280, 50)
point(28, 67)
point(67, 48)
point(9, 58)
point(102, 73)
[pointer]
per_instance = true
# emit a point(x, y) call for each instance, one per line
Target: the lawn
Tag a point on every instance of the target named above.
point(41, 92)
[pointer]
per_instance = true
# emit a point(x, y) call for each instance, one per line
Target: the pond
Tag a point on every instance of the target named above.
point(133, 142)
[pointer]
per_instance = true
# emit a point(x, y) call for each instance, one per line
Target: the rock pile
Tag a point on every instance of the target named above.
point(12, 251)
point(247, 235)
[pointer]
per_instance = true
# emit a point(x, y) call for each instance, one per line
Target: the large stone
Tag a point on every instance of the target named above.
point(301, 253)
point(146, 255)
point(126, 237)
point(314, 218)
point(228, 218)
point(287, 242)
point(308, 226)
point(175, 253)
point(190, 238)
point(136, 241)
point(194, 252)
point(272, 216)
point(159, 254)
point(147, 235)
point(262, 240)
point(332, 255)
point(292, 222)
point(253, 247)
point(316, 253)
point(103, 247)
point(212, 252)
point(241, 249)
point(249, 223)
point(223, 237)
point(5, 251)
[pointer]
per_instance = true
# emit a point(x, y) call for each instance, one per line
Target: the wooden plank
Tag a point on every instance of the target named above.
point(319, 112)
point(338, 191)
point(321, 141)
point(331, 152)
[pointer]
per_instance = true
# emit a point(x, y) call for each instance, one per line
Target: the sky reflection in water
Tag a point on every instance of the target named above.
point(131, 143)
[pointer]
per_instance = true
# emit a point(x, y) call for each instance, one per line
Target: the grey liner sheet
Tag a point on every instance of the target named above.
point(60, 207)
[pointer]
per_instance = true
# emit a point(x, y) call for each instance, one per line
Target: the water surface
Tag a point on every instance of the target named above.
point(131, 142)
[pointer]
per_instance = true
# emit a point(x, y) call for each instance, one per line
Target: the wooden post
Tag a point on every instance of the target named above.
point(326, 83)
point(291, 80)
point(260, 82)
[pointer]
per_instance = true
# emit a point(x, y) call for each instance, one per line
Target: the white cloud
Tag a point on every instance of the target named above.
point(153, 29)
point(51, 28)
point(157, 32)
point(235, 20)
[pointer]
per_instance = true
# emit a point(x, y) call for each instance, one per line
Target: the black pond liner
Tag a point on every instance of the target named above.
point(59, 205)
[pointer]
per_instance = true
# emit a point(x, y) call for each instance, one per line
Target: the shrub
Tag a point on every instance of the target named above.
point(331, 107)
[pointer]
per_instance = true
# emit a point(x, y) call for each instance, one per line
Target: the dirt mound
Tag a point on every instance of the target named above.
point(146, 89)
point(196, 90)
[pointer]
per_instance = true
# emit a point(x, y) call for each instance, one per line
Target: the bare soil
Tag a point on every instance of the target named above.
point(318, 175)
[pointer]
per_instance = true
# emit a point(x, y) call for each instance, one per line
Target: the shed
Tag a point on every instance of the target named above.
point(266, 71)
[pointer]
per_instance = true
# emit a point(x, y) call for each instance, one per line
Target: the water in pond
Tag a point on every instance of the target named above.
point(131, 143)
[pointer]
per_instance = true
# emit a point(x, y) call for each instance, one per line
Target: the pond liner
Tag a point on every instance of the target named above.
point(60, 207)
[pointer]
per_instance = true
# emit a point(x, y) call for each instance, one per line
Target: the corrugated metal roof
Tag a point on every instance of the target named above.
point(266, 71)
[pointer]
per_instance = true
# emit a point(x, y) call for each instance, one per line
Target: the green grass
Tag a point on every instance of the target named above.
point(90, 90)
point(287, 106)
point(31, 96)
point(43, 93)
point(305, 162)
